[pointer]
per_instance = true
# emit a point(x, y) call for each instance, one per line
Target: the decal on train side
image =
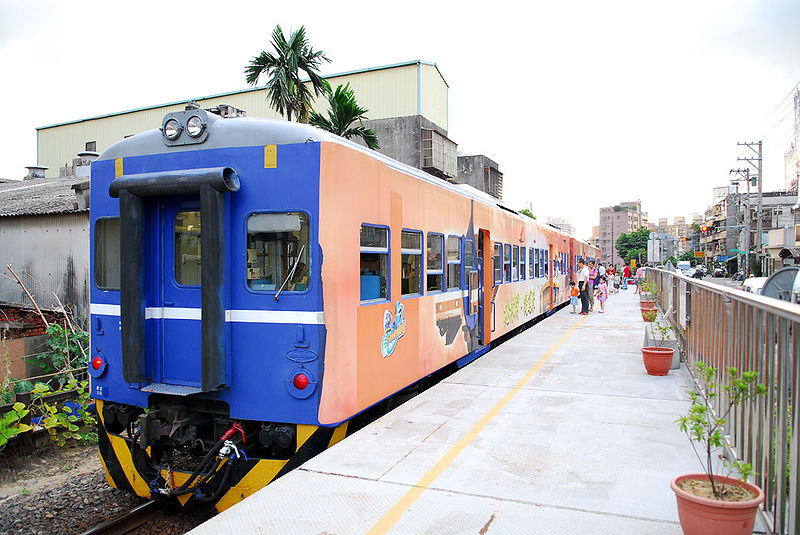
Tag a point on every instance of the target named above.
point(392, 330)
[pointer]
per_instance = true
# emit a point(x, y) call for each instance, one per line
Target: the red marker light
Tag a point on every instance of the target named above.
point(300, 381)
point(97, 362)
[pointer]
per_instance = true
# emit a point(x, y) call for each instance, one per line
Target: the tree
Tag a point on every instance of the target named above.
point(286, 93)
point(528, 213)
point(632, 244)
point(689, 255)
point(343, 112)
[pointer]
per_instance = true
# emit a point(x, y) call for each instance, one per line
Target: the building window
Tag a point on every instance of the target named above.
point(453, 262)
point(187, 248)
point(435, 263)
point(91, 146)
point(507, 262)
point(411, 251)
point(374, 263)
point(107, 254)
point(498, 263)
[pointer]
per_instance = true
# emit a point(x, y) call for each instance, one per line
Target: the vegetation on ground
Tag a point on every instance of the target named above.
point(64, 367)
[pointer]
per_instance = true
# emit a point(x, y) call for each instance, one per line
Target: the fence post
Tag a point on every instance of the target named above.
point(27, 437)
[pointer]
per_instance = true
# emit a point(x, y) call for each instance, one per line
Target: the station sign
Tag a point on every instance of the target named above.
point(699, 254)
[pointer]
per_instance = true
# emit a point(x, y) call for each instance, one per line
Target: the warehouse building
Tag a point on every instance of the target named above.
point(407, 103)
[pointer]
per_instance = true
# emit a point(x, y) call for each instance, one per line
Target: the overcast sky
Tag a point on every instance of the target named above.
point(583, 104)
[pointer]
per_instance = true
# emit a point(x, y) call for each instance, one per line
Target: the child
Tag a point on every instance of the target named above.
point(602, 293)
point(573, 296)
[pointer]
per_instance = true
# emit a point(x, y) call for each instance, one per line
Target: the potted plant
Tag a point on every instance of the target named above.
point(647, 298)
point(649, 314)
point(709, 503)
point(657, 358)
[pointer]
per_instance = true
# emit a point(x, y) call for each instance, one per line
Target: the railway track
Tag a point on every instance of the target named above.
point(127, 521)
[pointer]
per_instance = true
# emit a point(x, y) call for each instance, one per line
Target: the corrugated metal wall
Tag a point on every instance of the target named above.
point(385, 92)
point(50, 253)
point(434, 95)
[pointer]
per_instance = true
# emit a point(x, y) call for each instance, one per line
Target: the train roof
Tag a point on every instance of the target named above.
point(248, 131)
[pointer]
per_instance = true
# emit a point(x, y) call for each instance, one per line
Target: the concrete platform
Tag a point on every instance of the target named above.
point(559, 430)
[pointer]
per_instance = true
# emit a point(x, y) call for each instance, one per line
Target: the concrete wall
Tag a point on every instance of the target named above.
point(400, 137)
point(471, 171)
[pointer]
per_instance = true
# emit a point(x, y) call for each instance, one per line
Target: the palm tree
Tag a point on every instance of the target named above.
point(285, 91)
point(344, 111)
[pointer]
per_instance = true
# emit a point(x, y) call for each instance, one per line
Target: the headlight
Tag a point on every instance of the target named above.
point(194, 126)
point(172, 129)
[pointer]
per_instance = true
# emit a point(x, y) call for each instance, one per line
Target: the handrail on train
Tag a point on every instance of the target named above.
point(725, 327)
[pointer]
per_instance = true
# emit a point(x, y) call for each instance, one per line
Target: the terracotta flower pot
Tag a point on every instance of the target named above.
point(702, 516)
point(649, 314)
point(647, 303)
point(657, 360)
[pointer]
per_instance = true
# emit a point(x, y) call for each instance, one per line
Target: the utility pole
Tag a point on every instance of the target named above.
point(745, 173)
point(755, 146)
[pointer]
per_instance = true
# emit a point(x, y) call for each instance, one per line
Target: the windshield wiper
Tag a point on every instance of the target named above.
point(291, 273)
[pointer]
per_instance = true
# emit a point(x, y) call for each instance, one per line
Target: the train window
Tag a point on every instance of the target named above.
point(187, 248)
point(277, 250)
point(531, 263)
point(411, 251)
point(542, 263)
point(515, 263)
point(507, 262)
point(522, 254)
point(435, 263)
point(546, 263)
point(469, 260)
point(537, 271)
point(106, 254)
point(453, 262)
point(498, 263)
point(374, 266)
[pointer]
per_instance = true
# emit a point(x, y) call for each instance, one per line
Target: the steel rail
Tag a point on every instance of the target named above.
point(126, 522)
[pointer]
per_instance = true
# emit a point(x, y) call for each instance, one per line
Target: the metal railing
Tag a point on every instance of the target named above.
point(725, 327)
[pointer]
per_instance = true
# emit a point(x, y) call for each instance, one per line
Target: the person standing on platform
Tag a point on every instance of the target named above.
point(593, 274)
point(583, 286)
point(602, 293)
point(626, 274)
point(574, 296)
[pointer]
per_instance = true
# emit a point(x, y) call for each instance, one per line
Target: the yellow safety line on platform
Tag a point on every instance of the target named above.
point(393, 515)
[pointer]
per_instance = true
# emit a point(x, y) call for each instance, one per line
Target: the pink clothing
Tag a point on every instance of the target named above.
point(602, 292)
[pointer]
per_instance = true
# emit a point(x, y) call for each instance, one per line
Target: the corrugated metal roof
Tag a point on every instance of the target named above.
point(246, 90)
point(39, 196)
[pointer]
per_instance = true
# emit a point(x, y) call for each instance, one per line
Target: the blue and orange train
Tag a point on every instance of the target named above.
point(258, 285)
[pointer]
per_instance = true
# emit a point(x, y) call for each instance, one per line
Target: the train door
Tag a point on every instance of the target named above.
point(485, 288)
point(571, 266)
point(550, 270)
point(472, 284)
point(180, 292)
